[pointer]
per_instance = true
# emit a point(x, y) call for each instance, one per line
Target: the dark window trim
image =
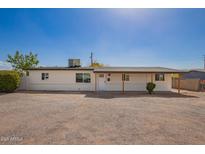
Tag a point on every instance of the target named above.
point(158, 78)
point(44, 76)
point(124, 77)
point(83, 78)
point(127, 75)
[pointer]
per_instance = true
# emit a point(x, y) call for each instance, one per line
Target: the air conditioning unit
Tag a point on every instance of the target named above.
point(74, 63)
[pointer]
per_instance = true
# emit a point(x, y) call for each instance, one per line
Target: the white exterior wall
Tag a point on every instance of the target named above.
point(23, 83)
point(66, 80)
point(164, 85)
point(59, 80)
point(137, 82)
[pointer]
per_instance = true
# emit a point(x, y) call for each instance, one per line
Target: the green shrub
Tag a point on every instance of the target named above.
point(9, 81)
point(150, 87)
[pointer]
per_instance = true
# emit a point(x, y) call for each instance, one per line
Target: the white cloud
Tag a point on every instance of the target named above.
point(5, 66)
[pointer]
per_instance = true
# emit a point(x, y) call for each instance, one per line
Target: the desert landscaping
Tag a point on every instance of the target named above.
point(102, 118)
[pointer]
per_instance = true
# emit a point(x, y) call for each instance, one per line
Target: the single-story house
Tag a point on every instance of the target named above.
point(99, 79)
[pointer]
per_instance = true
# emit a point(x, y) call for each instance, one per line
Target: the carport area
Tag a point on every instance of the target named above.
point(102, 118)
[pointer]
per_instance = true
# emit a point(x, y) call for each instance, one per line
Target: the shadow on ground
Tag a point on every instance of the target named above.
point(110, 95)
point(3, 93)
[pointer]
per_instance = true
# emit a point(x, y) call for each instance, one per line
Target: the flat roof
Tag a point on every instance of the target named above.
point(61, 68)
point(138, 70)
point(116, 69)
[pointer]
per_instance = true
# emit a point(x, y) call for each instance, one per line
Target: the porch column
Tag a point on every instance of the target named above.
point(123, 83)
point(95, 82)
point(152, 77)
point(179, 83)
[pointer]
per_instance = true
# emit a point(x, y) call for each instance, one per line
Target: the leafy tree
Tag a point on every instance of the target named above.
point(22, 62)
point(96, 64)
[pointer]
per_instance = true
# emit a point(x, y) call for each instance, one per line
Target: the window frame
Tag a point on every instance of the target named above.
point(158, 78)
point(44, 76)
point(83, 80)
point(89, 78)
point(124, 77)
point(127, 77)
point(78, 80)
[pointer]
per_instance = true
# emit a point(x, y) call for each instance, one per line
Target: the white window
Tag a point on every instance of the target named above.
point(83, 77)
point(44, 76)
point(126, 77)
point(159, 77)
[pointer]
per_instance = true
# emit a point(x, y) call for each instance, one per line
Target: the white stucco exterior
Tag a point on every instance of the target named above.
point(66, 80)
point(137, 82)
point(58, 80)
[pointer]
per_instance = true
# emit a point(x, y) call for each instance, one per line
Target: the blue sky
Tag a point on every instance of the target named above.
point(118, 37)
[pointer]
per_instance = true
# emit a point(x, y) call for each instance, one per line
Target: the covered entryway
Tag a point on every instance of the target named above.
point(133, 79)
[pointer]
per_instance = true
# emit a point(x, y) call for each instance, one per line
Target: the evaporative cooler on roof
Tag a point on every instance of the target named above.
point(74, 62)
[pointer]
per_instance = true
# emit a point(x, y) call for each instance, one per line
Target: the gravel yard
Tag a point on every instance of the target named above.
point(103, 118)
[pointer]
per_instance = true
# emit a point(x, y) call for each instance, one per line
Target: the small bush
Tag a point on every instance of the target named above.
point(9, 81)
point(150, 87)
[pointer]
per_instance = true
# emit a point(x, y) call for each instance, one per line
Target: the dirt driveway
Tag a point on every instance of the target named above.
point(103, 118)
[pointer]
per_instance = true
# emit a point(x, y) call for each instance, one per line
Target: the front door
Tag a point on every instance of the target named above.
point(101, 82)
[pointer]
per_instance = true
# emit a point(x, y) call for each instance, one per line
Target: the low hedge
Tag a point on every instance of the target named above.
point(9, 81)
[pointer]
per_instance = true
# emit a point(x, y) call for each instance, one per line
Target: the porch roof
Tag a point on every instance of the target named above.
point(137, 70)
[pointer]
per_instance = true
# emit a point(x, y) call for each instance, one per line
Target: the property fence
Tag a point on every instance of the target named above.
point(188, 84)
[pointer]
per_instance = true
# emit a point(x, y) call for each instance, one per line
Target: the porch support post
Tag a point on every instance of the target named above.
point(95, 82)
point(152, 77)
point(179, 83)
point(123, 83)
